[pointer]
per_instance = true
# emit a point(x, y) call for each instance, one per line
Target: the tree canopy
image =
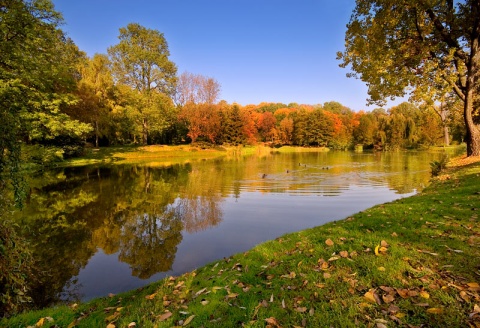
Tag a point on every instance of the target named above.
point(427, 47)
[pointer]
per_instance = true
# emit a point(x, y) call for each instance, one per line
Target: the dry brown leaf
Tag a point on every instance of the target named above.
point(372, 297)
point(110, 325)
point(272, 321)
point(383, 243)
point(327, 275)
point(464, 296)
point(132, 324)
point(344, 254)
point(388, 298)
point(329, 242)
point(301, 309)
point(402, 292)
point(164, 316)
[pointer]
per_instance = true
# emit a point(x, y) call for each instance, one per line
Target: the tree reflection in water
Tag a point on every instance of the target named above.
point(143, 213)
point(137, 212)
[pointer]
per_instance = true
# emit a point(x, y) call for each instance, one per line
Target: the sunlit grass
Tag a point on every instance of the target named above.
point(411, 262)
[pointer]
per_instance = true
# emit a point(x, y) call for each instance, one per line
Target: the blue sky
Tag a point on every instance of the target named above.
point(258, 50)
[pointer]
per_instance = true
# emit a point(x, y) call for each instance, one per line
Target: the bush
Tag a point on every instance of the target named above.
point(436, 167)
point(16, 265)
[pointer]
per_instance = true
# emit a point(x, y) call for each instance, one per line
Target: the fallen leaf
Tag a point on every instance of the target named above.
point(402, 292)
point(388, 298)
point(383, 243)
point(376, 250)
point(464, 296)
point(189, 319)
point(435, 310)
point(424, 294)
point(201, 291)
point(329, 242)
point(383, 249)
point(344, 254)
point(232, 295)
point(164, 316)
point(473, 286)
point(40, 322)
point(272, 321)
point(370, 296)
point(150, 297)
point(381, 269)
point(110, 325)
point(301, 309)
point(204, 302)
point(132, 324)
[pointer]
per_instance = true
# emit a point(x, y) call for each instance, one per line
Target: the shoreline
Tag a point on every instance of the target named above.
point(399, 262)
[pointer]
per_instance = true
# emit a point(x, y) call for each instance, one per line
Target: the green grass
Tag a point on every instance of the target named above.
point(336, 275)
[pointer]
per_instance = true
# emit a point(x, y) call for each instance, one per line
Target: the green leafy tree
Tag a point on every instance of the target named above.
point(430, 47)
point(140, 61)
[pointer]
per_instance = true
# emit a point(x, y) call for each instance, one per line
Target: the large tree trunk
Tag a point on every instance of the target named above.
point(473, 67)
point(144, 132)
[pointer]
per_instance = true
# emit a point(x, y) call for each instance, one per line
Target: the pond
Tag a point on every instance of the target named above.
point(109, 229)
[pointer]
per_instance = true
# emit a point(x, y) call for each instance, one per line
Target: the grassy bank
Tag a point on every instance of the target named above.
point(414, 262)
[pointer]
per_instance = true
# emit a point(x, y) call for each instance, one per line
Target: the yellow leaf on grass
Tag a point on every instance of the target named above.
point(435, 310)
point(473, 285)
point(369, 296)
point(151, 297)
point(424, 294)
point(189, 319)
point(376, 250)
point(111, 325)
point(232, 295)
point(329, 242)
point(40, 322)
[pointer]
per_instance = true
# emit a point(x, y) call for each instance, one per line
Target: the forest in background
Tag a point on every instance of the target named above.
point(59, 101)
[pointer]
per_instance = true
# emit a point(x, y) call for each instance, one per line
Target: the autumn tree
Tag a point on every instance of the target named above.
point(429, 47)
point(197, 89)
point(140, 61)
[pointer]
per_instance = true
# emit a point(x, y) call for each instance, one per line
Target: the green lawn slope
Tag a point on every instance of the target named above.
point(414, 262)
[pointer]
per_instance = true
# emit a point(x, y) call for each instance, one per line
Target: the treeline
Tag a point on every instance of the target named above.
point(56, 100)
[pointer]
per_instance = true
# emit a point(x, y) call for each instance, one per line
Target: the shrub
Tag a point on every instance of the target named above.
point(16, 271)
point(436, 167)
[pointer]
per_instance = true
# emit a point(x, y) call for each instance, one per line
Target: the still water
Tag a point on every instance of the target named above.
point(109, 229)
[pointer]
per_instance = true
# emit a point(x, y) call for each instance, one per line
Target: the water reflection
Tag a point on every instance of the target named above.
point(167, 220)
